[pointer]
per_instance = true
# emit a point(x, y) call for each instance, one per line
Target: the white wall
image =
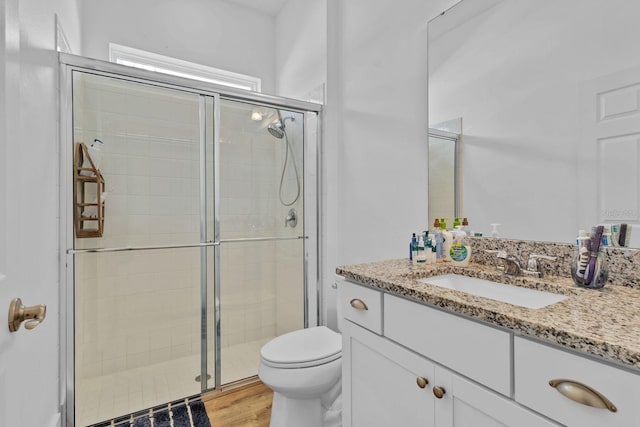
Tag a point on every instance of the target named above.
point(29, 166)
point(376, 140)
point(514, 76)
point(301, 48)
point(210, 32)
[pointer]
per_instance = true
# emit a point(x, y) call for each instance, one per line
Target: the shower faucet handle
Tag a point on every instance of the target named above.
point(291, 219)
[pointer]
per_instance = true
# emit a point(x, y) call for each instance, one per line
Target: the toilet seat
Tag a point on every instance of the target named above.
point(303, 348)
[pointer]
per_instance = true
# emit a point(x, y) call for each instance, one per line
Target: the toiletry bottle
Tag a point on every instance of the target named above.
point(581, 258)
point(456, 222)
point(606, 236)
point(443, 224)
point(494, 230)
point(465, 226)
point(460, 253)
point(412, 245)
point(447, 240)
point(433, 255)
point(438, 238)
point(430, 252)
point(421, 254)
point(615, 235)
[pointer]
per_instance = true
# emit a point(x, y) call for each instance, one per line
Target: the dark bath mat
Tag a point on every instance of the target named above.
point(183, 413)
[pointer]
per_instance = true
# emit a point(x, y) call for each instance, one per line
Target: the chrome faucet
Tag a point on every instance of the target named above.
point(510, 265)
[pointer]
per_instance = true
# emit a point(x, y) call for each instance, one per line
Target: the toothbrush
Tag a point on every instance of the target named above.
point(622, 238)
point(595, 248)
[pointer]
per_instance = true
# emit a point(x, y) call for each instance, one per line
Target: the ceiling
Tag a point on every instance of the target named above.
point(270, 7)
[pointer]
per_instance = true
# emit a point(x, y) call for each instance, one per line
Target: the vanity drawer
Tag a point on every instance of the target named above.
point(537, 364)
point(477, 351)
point(361, 305)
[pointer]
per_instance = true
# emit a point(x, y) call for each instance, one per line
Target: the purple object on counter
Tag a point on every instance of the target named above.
point(595, 248)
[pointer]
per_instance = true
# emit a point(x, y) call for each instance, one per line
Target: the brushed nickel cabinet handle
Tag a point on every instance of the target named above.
point(582, 393)
point(358, 304)
point(422, 382)
point(439, 392)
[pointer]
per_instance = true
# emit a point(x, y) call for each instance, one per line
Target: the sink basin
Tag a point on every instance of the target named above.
point(516, 295)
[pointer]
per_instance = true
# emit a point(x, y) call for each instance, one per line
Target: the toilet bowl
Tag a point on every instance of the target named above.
point(303, 368)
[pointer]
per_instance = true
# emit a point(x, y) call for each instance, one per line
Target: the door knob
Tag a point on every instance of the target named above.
point(18, 313)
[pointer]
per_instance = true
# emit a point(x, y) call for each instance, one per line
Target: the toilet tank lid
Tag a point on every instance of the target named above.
point(304, 345)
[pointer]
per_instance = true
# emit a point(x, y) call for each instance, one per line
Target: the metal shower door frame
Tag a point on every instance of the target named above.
point(205, 91)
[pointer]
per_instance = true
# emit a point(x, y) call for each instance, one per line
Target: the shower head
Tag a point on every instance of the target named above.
point(276, 129)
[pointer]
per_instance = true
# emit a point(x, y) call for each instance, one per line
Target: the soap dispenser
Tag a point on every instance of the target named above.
point(494, 230)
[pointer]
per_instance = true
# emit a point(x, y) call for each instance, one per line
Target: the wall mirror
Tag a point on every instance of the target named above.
point(549, 93)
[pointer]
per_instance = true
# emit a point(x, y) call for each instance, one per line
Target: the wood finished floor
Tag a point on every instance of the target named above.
point(249, 406)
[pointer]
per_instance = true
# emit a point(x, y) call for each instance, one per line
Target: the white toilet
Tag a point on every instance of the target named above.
point(304, 370)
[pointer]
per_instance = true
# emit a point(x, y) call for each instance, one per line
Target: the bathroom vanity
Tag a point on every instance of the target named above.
point(416, 354)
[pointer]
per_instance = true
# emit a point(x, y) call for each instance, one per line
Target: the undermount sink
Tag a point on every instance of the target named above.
point(516, 295)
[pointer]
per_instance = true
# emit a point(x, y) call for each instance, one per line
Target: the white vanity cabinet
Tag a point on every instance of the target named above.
point(387, 385)
point(404, 379)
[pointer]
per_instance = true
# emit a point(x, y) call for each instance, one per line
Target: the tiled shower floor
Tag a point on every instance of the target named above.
point(109, 396)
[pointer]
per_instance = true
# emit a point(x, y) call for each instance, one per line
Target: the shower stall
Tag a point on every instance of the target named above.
point(189, 224)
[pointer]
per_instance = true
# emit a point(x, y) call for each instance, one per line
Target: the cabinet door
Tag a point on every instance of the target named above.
point(466, 404)
point(381, 383)
point(585, 382)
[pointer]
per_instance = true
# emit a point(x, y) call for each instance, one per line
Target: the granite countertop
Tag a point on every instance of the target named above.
point(603, 323)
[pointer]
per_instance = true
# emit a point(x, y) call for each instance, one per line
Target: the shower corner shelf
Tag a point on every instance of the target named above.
point(88, 184)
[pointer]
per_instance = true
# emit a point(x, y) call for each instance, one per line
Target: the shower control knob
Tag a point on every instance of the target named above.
point(291, 219)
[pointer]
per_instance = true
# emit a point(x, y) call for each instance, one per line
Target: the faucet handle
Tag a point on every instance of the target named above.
point(502, 256)
point(532, 263)
point(534, 257)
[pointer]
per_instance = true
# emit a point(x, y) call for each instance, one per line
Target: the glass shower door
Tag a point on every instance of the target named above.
point(138, 299)
point(262, 263)
point(190, 246)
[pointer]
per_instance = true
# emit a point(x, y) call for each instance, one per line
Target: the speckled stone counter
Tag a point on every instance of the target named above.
point(603, 323)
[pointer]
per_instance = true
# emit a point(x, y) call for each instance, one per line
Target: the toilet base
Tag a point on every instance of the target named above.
point(288, 412)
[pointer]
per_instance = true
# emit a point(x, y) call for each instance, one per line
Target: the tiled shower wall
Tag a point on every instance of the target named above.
point(139, 308)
